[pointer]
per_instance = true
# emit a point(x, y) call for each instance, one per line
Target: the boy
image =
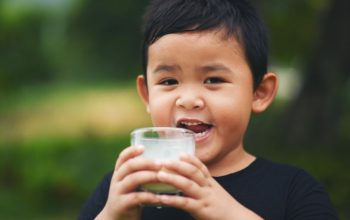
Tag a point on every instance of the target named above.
point(205, 69)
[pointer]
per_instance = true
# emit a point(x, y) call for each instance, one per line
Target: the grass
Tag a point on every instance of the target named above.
point(71, 111)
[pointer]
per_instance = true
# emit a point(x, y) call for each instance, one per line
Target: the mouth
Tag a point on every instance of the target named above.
point(200, 128)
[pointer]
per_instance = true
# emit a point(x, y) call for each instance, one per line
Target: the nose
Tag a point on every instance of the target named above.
point(189, 101)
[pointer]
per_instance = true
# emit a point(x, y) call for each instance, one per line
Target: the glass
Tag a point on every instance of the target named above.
point(163, 143)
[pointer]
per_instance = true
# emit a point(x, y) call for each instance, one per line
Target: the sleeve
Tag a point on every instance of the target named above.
point(308, 200)
point(94, 205)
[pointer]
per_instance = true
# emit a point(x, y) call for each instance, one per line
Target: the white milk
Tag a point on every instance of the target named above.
point(165, 144)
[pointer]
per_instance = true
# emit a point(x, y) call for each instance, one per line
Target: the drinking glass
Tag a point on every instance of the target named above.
point(163, 143)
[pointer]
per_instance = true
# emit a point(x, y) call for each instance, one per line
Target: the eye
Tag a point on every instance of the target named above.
point(214, 80)
point(168, 82)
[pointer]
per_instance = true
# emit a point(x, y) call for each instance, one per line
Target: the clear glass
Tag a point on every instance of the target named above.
point(163, 143)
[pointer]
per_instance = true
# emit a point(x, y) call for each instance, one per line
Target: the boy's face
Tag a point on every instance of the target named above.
point(200, 81)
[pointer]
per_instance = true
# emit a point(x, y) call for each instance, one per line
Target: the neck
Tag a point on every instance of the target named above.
point(232, 162)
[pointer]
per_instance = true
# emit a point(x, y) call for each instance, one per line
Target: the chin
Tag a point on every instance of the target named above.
point(205, 157)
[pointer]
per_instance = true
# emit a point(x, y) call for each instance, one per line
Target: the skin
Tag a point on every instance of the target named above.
point(193, 77)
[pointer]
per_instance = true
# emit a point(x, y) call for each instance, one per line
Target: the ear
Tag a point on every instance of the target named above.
point(143, 90)
point(265, 93)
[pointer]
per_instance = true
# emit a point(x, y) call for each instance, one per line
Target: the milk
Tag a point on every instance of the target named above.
point(163, 144)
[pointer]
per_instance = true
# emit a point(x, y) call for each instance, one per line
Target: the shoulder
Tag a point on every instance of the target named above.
point(266, 172)
point(275, 171)
point(304, 194)
point(281, 170)
point(268, 176)
point(276, 166)
point(294, 178)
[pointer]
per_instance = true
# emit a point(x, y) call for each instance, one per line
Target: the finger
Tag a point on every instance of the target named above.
point(188, 170)
point(187, 186)
point(128, 153)
point(185, 203)
point(136, 164)
point(196, 162)
point(137, 198)
point(134, 180)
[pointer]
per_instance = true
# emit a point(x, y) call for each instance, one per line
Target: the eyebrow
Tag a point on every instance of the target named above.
point(203, 69)
point(214, 68)
point(166, 68)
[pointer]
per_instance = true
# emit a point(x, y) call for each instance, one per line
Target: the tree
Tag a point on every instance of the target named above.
point(319, 116)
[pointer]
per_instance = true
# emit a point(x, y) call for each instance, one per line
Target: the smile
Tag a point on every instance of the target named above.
point(201, 129)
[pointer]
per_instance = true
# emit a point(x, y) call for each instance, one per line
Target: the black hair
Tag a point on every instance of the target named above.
point(238, 18)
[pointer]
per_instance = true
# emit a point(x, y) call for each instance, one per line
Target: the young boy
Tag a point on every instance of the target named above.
point(205, 69)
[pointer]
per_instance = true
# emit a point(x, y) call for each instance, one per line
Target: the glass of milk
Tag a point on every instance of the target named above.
point(163, 143)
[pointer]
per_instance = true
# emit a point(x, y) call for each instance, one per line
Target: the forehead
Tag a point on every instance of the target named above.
point(203, 46)
point(214, 36)
point(195, 53)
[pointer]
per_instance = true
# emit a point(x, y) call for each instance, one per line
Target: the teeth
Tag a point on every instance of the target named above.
point(190, 123)
point(201, 134)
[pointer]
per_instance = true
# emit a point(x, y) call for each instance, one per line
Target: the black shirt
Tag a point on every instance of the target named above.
point(273, 191)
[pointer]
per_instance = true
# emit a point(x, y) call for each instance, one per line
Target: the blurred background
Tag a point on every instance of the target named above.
point(68, 100)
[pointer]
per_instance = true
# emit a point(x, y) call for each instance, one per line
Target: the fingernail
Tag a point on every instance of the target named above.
point(139, 147)
point(184, 156)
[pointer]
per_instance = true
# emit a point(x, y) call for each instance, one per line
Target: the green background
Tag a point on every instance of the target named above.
point(68, 100)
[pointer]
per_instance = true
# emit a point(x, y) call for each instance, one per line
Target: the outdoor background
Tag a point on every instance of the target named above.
point(68, 100)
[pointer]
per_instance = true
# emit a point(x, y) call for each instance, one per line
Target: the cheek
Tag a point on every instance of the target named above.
point(159, 101)
point(233, 113)
point(160, 110)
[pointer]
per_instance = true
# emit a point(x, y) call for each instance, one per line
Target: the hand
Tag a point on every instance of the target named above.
point(129, 173)
point(204, 198)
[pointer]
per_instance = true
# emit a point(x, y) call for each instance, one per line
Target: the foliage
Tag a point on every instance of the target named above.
point(49, 178)
point(91, 39)
point(84, 39)
point(294, 26)
point(75, 134)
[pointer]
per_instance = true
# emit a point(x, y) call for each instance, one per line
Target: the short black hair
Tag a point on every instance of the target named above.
point(238, 18)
